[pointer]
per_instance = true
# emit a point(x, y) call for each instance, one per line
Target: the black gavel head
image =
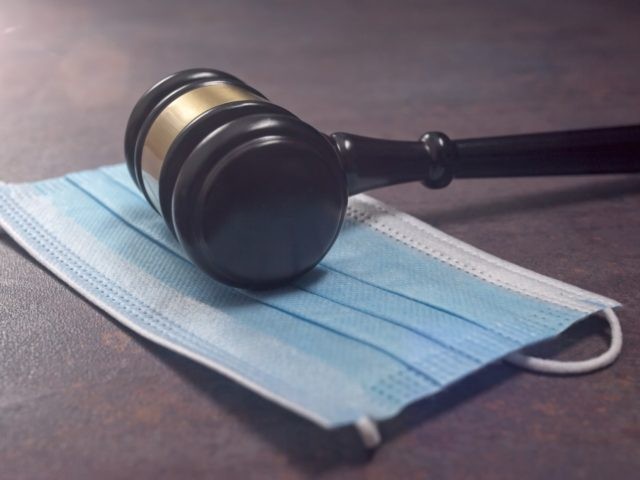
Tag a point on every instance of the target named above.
point(255, 196)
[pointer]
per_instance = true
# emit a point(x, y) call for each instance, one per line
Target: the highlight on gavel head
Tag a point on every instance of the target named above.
point(255, 196)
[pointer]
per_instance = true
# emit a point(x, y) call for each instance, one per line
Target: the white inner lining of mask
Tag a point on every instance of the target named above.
point(422, 237)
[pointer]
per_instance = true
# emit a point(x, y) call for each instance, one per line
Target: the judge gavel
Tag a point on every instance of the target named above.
point(256, 196)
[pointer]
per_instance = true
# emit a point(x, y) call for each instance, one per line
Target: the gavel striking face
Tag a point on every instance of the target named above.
point(255, 195)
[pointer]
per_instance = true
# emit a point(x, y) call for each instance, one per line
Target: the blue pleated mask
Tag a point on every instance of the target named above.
point(395, 312)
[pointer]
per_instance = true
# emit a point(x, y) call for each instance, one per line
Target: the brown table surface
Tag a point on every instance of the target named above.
point(82, 397)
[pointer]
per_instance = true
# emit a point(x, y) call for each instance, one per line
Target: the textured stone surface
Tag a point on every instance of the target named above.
point(82, 397)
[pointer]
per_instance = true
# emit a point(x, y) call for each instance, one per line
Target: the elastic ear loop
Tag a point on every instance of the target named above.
point(369, 433)
point(559, 367)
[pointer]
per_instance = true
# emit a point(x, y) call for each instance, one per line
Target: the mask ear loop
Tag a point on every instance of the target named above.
point(558, 367)
point(369, 433)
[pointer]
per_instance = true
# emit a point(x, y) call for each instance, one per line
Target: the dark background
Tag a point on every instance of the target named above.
point(81, 397)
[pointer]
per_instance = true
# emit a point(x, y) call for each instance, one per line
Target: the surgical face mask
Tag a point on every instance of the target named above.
point(395, 312)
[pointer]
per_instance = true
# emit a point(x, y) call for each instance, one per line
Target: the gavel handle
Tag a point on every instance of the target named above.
point(436, 160)
point(576, 152)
